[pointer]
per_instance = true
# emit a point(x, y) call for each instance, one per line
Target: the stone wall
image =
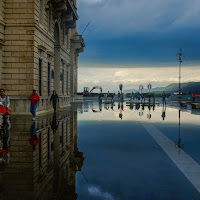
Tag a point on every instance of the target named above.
point(2, 25)
point(39, 51)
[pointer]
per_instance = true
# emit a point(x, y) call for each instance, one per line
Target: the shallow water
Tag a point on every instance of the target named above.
point(103, 152)
point(124, 161)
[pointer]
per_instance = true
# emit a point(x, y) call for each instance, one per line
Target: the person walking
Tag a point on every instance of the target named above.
point(34, 98)
point(54, 99)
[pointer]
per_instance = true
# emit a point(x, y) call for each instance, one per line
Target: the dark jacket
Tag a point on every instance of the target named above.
point(54, 97)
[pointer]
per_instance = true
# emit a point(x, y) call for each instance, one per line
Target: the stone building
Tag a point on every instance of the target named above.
point(47, 171)
point(39, 48)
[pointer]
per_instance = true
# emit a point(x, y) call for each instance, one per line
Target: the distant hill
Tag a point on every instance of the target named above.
point(193, 87)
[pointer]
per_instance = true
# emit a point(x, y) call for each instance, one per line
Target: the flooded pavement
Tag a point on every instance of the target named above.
point(43, 157)
point(138, 151)
point(103, 152)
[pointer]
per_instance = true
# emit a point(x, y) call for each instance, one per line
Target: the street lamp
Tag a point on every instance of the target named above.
point(180, 56)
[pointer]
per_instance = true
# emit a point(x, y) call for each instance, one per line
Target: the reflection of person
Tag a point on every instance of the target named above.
point(163, 112)
point(34, 98)
point(54, 124)
point(118, 95)
point(100, 106)
point(112, 105)
point(118, 105)
point(34, 141)
point(54, 99)
point(131, 106)
point(5, 147)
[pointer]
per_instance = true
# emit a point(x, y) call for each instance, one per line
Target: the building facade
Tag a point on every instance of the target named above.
point(39, 48)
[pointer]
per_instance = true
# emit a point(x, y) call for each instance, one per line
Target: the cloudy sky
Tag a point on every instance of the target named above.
point(135, 42)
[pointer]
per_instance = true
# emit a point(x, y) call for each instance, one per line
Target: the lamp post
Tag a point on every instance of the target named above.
point(180, 56)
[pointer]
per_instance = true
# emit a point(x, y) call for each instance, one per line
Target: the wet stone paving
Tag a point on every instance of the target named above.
point(100, 151)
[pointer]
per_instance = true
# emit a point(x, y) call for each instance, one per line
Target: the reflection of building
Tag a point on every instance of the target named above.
point(48, 172)
point(39, 48)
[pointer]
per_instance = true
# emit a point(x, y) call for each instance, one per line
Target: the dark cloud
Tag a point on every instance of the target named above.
point(144, 32)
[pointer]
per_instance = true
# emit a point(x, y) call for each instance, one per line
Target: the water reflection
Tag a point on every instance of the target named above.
point(44, 157)
point(5, 142)
point(163, 112)
point(179, 143)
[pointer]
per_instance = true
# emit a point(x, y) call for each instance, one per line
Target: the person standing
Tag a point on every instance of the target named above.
point(54, 99)
point(34, 98)
point(5, 100)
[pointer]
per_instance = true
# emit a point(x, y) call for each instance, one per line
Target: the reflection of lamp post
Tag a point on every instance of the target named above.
point(141, 88)
point(149, 87)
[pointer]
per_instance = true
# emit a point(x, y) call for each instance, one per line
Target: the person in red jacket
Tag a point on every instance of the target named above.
point(34, 98)
point(2, 112)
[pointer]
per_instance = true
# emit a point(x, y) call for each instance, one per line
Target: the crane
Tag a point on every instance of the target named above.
point(96, 87)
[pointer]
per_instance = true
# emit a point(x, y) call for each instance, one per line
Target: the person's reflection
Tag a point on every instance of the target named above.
point(137, 106)
point(163, 112)
point(143, 106)
point(149, 115)
point(5, 142)
point(112, 106)
point(106, 106)
point(121, 109)
point(131, 106)
point(54, 124)
point(34, 140)
point(179, 130)
point(118, 105)
point(100, 106)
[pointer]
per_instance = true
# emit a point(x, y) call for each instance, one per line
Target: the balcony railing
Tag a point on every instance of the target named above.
point(78, 38)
